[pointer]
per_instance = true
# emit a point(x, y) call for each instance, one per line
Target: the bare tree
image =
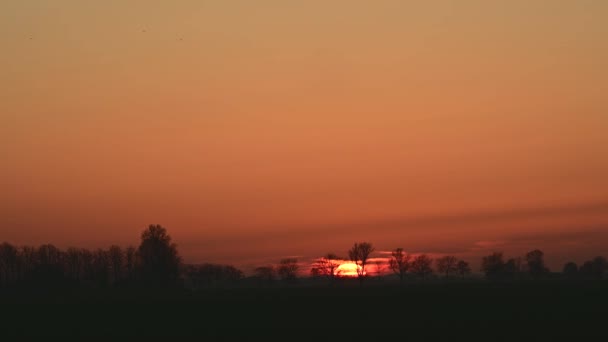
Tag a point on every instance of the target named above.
point(130, 262)
point(101, 267)
point(493, 265)
point(74, 263)
point(288, 269)
point(27, 261)
point(399, 262)
point(211, 275)
point(326, 266)
point(9, 263)
point(88, 267)
point(463, 268)
point(421, 265)
point(446, 264)
point(265, 273)
point(116, 263)
point(536, 263)
point(359, 254)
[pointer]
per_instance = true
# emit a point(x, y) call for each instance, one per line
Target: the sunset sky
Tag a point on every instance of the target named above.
point(256, 130)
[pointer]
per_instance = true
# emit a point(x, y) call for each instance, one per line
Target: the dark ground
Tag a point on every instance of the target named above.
point(490, 311)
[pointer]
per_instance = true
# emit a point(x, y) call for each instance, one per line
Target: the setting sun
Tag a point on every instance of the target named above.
point(348, 269)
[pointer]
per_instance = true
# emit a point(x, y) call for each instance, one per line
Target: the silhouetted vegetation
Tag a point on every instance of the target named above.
point(463, 268)
point(159, 260)
point(570, 270)
point(446, 265)
point(399, 263)
point(359, 254)
point(594, 269)
point(536, 263)
point(422, 266)
point(288, 269)
point(326, 267)
point(211, 275)
point(156, 263)
point(154, 272)
point(265, 274)
point(493, 265)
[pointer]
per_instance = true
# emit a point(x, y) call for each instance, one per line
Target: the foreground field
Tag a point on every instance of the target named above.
point(490, 311)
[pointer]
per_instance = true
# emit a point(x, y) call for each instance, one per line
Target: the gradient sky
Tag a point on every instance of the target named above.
point(255, 130)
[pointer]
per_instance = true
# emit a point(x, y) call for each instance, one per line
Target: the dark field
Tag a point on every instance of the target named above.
point(471, 310)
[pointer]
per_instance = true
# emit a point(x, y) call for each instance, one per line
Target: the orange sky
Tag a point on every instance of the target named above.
point(255, 130)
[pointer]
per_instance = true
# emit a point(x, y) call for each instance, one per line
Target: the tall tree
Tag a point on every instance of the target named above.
point(595, 268)
point(463, 268)
point(512, 268)
point(130, 262)
point(446, 264)
point(570, 270)
point(9, 263)
point(159, 260)
point(421, 265)
point(326, 266)
point(288, 269)
point(116, 257)
point(399, 263)
point(101, 267)
point(74, 263)
point(48, 269)
point(359, 254)
point(265, 273)
point(536, 263)
point(493, 265)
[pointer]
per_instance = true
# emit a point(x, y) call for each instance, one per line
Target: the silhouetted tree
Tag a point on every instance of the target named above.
point(88, 267)
point(493, 265)
point(74, 264)
point(27, 262)
point(512, 268)
point(101, 267)
point(48, 267)
point(212, 274)
point(159, 260)
point(130, 262)
point(421, 266)
point(536, 263)
point(9, 264)
point(359, 254)
point(570, 270)
point(326, 266)
point(49, 255)
point(595, 268)
point(399, 263)
point(463, 268)
point(288, 269)
point(116, 257)
point(265, 273)
point(446, 264)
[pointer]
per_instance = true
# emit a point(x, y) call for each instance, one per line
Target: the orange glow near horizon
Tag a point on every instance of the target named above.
point(257, 129)
point(348, 269)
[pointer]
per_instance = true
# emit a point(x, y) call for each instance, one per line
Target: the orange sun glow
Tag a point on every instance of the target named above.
point(347, 269)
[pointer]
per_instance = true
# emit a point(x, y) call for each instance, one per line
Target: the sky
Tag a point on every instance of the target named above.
point(256, 130)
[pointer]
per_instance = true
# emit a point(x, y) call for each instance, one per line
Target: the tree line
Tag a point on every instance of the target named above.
point(156, 263)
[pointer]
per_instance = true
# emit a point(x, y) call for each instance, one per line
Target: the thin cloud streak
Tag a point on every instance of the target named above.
point(426, 222)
